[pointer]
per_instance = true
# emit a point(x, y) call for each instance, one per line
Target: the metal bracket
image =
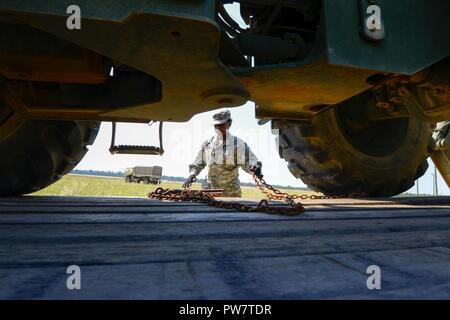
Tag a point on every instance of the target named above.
point(131, 149)
point(440, 154)
point(419, 110)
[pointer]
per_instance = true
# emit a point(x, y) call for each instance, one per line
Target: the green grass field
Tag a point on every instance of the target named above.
point(78, 185)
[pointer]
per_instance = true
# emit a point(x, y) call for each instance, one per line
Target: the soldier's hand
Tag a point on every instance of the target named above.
point(191, 179)
point(256, 169)
point(441, 131)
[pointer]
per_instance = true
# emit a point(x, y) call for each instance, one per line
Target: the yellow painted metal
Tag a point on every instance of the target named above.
point(300, 91)
point(441, 159)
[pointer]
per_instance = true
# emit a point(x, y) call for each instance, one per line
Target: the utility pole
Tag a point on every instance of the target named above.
point(432, 175)
point(435, 181)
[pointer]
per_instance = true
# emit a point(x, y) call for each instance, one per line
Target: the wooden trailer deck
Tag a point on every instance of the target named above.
point(147, 249)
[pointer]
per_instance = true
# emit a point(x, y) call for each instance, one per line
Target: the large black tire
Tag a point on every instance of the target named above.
point(37, 153)
point(380, 160)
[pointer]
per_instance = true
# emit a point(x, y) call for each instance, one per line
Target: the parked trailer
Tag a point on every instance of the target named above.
point(145, 174)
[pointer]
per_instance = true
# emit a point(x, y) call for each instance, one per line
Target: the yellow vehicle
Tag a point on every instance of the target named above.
point(354, 87)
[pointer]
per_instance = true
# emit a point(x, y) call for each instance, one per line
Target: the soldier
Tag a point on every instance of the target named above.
point(224, 154)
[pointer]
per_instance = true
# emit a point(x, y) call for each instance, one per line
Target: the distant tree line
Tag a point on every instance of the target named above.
point(168, 178)
point(99, 173)
point(412, 195)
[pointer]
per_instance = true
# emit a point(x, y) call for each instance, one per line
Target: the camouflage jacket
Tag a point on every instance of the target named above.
point(223, 161)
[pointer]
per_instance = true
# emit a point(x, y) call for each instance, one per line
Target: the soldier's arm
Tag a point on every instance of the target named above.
point(199, 163)
point(250, 159)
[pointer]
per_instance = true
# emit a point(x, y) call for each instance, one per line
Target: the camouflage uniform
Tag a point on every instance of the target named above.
point(223, 161)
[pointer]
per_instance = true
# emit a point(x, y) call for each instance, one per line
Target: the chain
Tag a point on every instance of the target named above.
point(199, 196)
point(207, 197)
point(189, 195)
point(279, 195)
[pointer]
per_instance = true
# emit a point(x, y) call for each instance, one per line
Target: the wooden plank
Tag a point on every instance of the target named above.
point(152, 215)
point(228, 276)
point(123, 204)
point(128, 217)
point(79, 204)
point(149, 203)
point(441, 200)
point(128, 243)
point(107, 209)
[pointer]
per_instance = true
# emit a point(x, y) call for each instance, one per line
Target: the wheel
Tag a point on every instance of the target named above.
point(146, 180)
point(338, 156)
point(37, 153)
point(128, 179)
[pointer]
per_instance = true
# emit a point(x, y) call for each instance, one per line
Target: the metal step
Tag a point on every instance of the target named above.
point(133, 149)
point(130, 149)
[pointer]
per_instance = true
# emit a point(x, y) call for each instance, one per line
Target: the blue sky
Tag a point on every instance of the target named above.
point(182, 141)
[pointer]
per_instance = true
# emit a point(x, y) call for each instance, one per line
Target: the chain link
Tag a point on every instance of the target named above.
point(279, 195)
point(199, 196)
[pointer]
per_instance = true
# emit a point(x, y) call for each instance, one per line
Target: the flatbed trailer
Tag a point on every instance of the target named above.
point(130, 248)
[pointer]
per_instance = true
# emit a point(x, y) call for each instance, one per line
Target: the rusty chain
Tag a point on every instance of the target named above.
point(279, 195)
point(199, 196)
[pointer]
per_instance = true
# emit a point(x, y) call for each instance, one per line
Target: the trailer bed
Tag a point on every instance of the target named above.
point(147, 249)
